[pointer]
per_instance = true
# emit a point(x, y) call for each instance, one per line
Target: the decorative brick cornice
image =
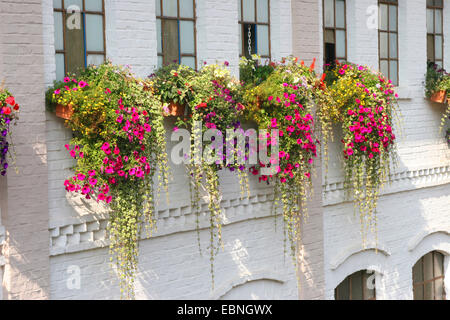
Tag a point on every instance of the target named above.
point(406, 180)
point(89, 232)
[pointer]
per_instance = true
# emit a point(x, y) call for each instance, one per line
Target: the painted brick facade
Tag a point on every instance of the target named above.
point(52, 238)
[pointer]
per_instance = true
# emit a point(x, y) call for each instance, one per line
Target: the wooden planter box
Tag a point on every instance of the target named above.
point(439, 96)
point(176, 110)
point(64, 112)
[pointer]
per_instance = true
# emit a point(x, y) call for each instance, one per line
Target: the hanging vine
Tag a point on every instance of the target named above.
point(364, 103)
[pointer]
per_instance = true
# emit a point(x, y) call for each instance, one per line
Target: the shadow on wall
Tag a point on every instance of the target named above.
point(413, 216)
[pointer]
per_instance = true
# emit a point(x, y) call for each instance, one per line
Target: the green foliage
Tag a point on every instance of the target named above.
point(252, 72)
point(119, 145)
point(433, 78)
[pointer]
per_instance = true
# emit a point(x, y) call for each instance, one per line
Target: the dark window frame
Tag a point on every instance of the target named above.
point(242, 24)
point(422, 284)
point(388, 32)
point(435, 7)
point(349, 278)
point(334, 28)
point(83, 13)
point(178, 18)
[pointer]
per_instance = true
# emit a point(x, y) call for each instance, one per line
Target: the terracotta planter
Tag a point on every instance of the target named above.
point(64, 112)
point(439, 96)
point(175, 109)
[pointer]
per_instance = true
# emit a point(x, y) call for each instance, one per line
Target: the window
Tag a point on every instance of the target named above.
point(175, 21)
point(428, 277)
point(79, 34)
point(388, 39)
point(435, 38)
point(358, 286)
point(254, 25)
point(334, 31)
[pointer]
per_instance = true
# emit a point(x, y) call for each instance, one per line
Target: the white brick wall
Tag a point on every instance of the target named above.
point(417, 204)
point(412, 215)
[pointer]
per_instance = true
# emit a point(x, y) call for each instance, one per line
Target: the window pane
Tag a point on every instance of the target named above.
point(438, 264)
point(329, 13)
point(340, 43)
point(240, 11)
point(438, 3)
point(262, 10)
point(78, 3)
point(430, 3)
point(60, 66)
point(393, 72)
point(187, 37)
point(384, 68)
point(252, 46)
point(263, 40)
point(438, 47)
point(170, 8)
point(418, 272)
point(59, 39)
point(393, 45)
point(340, 13)
point(93, 5)
point(357, 292)
point(418, 292)
point(428, 266)
point(438, 21)
point(188, 61)
point(170, 41)
point(343, 290)
point(187, 8)
point(95, 59)
point(383, 45)
point(430, 47)
point(240, 38)
point(94, 32)
point(75, 58)
point(158, 7)
point(329, 36)
point(439, 289)
point(158, 35)
point(430, 21)
point(383, 17)
point(249, 10)
point(57, 4)
point(429, 291)
point(393, 18)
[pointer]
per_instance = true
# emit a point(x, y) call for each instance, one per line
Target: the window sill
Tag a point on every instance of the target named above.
point(404, 93)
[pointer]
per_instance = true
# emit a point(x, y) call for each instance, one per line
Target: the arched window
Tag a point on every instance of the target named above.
point(358, 286)
point(428, 277)
point(334, 31)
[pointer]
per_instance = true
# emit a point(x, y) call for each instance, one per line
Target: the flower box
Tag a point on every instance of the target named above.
point(64, 111)
point(175, 109)
point(439, 96)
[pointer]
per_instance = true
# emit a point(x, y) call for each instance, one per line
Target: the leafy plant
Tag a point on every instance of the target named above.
point(214, 106)
point(252, 72)
point(119, 145)
point(285, 101)
point(364, 103)
point(172, 83)
point(433, 79)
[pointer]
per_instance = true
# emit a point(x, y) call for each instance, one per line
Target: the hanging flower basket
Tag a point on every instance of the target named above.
point(439, 96)
point(174, 109)
point(64, 111)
